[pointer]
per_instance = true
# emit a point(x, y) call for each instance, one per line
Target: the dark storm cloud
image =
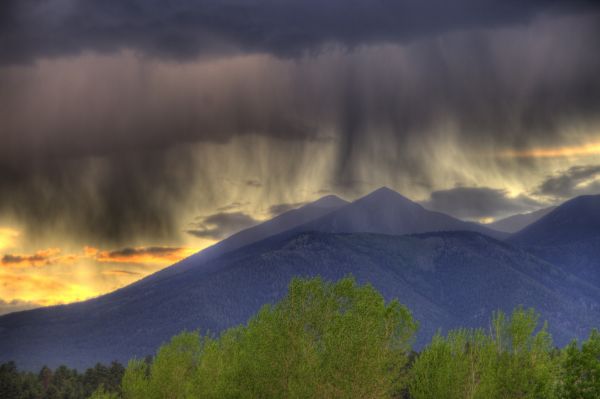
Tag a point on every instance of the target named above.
point(496, 87)
point(577, 180)
point(98, 145)
point(183, 28)
point(104, 200)
point(478, 202)
point(221, 225)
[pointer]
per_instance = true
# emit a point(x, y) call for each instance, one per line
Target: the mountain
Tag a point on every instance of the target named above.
point(384, 211)
point(283, 222)
point(575, 220)
point(569, 237)
point(514, 223)
point(447, 279)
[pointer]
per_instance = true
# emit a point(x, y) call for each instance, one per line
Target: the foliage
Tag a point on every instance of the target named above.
point(101, 393)
point(335, 340)
point(512, 361)
point(581, 369)
point(63, 382)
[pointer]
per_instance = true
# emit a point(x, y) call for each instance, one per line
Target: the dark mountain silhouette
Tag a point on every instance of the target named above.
point(384, 211)
point(448, 279)
point(569, 237)
point(518, 222)
point(575, 220)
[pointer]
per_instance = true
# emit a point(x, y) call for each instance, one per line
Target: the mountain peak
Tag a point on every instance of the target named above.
point(384, 190)
point(328, 201)
point(385, 196)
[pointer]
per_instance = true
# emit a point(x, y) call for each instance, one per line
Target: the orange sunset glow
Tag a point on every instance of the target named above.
point(557, 152)
point(50, 276)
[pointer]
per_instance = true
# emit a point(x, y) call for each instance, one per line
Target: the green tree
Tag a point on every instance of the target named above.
point(9, 380)
point(170, 374)
point(581, 369)
point(325, 340)
point(524, 367)
point(512, 361)
point(101, 393)
point(334, 340)
point(135, 383)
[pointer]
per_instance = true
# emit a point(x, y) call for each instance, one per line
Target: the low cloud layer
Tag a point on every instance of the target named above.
point(221, 225)
point(163, 255)
point(278, 209)
point(40, 258)
point(577, 180)
point(479, 202)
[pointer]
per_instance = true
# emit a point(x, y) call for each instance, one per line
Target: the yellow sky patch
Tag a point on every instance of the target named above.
point(8, 237)
point(49, 277)
point(556, 152)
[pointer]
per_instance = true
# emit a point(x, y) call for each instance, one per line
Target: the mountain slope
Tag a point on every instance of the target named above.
point(281, 223)
point(446, 279)
point(569, 237)
point(514, 223)
point(383, 211)
point(575, 220)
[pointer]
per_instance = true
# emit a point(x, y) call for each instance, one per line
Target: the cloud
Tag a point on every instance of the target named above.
point(186, 29)
point(136, 145)
point(577, 180)
point(120, 273)
point(230, 207)
point(40, 258)
point(479, 202)
point(162, 255)
point(143, 255)
point(16, 305)
point(278, 209)
point(253, 183)
point(221, 225)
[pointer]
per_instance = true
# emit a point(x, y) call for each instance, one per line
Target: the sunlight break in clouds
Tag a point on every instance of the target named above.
point(8, 237)
point(50, 277)
point(557, 152)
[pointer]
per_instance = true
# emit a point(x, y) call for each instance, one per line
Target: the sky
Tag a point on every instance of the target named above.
point(134, 133)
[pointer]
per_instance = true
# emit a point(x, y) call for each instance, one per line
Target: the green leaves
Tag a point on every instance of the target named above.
point(513, 361)
point(334, 340)
point(327, 340)
point(581, 369)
